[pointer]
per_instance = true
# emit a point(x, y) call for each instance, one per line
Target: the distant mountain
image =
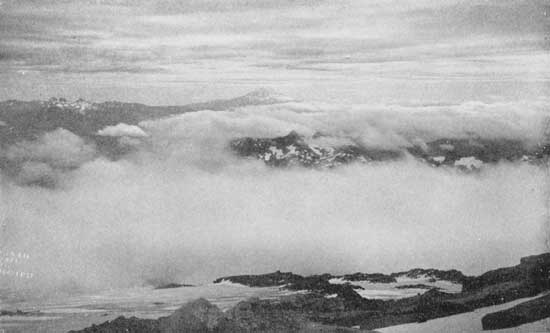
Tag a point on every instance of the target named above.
point(293, 150)
point(102, 125)
point(25, 120)
point(466, 154)
point(24, 124)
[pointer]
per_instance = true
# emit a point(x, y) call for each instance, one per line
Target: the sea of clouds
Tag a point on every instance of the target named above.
point(181, 207)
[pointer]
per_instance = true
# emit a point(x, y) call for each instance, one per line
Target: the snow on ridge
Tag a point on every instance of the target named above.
point(225, 282)
point(80, 105)
point(338, 280)
point(267, 95)
point(469, 163)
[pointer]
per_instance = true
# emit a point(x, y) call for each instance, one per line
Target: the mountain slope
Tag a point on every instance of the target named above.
point(466, 154)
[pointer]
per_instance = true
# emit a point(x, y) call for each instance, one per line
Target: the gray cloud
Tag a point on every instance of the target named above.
point(464, 19)
point(117, 36)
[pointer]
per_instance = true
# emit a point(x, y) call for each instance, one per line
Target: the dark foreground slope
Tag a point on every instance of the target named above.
point(339, 305)
point(523, 313)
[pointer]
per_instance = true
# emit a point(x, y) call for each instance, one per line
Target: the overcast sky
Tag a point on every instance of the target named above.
point(173, 52)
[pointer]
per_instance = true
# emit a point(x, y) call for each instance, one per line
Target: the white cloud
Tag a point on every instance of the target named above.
point(123, 130)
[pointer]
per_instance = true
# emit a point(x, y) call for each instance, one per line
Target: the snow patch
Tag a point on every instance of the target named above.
point(291, 150)
point(469, 163)
point(446, 146)
point(278, 153)
point(337, 281)
point(225, 282)
point(80, 105)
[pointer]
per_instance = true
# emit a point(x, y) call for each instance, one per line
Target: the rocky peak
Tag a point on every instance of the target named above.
point(80, 105)
point(292, 149)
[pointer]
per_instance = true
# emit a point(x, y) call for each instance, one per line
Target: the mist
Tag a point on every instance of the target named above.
point(182, 207)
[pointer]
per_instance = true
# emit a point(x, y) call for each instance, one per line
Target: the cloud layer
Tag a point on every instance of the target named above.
point(180, 206)
point(108, 49)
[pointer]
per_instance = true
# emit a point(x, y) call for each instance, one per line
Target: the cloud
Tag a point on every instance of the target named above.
point(163, 37)
point(122, 130)
point(60, 148)
point(182, 207)
point(46, 160)
point(37, 173)
point(391, 126)
point(495, 17)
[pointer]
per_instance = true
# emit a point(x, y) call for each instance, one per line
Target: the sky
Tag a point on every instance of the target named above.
point(176, 52)
point(181, 206)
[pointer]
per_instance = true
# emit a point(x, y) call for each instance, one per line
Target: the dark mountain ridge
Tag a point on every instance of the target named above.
point(466, 154)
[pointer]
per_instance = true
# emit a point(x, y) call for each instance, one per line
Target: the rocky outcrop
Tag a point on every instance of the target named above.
point(321, 282)
point(277, 278)
point(346, 307)
point(532, 274)
point(371, 277)
point(8, 313)
point(333, 307)
point(253, 315)
point(523, 313)
point(293, 150)
point(452, 275)
point(122, 324)
point(196, 316)
point(465, 154)
point(416, 286)
point(173, 285)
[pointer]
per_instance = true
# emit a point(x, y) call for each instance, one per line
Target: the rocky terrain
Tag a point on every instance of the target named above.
point(465, 154)
point(294, 281)
point(17, 313)
point(173, 285)
point(253, 315)
point(335, 307)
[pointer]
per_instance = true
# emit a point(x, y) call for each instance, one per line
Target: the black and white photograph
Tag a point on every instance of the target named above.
point(274, 166)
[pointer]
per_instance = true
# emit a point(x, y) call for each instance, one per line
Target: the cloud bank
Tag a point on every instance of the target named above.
point(181, 207)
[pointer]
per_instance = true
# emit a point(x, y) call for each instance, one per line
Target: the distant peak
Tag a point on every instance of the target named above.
point(267, 95)
point(293, 135)
point(80, 105)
